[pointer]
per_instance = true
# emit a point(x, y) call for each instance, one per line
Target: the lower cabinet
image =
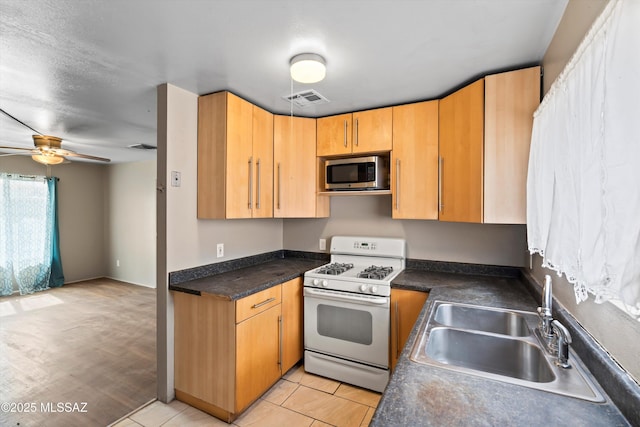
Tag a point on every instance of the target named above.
point(405, 308)
point(228, 353)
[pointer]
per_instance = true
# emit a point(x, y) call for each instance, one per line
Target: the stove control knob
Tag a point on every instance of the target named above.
point(363, 288)
point(325, 283)
point(315, 282)
point(374, 289)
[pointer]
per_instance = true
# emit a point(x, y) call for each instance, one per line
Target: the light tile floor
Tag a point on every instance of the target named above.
point(298, 399)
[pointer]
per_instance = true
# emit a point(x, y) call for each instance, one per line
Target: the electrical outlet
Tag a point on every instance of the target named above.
point(323, 244)
point(117, 263)
point(220, 250)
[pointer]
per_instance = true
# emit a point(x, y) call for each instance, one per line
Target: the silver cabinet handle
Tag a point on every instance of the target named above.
point(397, 331)
point(279, 186)
point(280, 342)
point(440, 169)
point(356, 132)
point(265, 302)
point(258, 184)
point(345, 133)
point(397, 184)
point(250, 203)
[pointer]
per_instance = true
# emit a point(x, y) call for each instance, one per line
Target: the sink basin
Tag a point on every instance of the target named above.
point(488, 320)
point(489, 353)
point(498, 344)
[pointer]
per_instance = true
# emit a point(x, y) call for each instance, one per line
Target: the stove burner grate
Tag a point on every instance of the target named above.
point(375, 272)
point(334, 269)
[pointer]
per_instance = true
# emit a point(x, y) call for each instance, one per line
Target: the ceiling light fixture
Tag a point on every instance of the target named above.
point(308, 68)
point(48, 159)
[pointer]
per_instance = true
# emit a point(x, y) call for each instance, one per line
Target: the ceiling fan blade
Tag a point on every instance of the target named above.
point(16, 148)
point(85, 156)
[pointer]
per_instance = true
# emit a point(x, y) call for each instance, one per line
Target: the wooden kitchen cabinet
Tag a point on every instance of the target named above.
point(292, 323)
point(235, 158)
point(405, 309)
point(227, 353)
point(414, 161)
point(296, 169)
point(510, 100)
point(355, 133)
point(461, 148)
point(334, 135)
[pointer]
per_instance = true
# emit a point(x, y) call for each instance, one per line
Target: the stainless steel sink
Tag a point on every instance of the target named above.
point(487, 353)
point(482, 319)
point(497, 344)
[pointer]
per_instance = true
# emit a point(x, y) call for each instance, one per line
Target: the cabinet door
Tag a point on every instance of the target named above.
point(372, 130)
point(257, 356)
point(510, 101)
point(262, 163)
point(292, 323)
point(461, 154)
point(414, 164)
point(212, 143)
point(240, 162)
point(294, 156)
point(405, 309)
point(334, 135)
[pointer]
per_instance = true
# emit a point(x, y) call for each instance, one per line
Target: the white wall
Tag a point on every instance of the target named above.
point(81, 211)
point(431, 240)
point(131, 225)
point(617, 332)
point(183, 240)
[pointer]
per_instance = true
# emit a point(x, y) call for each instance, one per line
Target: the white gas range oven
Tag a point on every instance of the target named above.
point(346, 310)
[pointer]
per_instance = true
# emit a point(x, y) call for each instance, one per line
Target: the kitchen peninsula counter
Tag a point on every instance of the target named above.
point(237, 284)
point(247, 278)
point(425, 395)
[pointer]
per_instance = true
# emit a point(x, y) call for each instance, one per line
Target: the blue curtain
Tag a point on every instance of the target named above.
point(29, 240)
point(56, 278)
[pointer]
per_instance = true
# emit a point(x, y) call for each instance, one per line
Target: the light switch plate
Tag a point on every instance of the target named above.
point(323, 244)
point(175, 179)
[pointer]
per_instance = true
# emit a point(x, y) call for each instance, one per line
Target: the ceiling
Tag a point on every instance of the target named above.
point(87, 71)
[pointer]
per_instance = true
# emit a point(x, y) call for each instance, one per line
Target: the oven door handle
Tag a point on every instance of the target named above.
point(341, 296)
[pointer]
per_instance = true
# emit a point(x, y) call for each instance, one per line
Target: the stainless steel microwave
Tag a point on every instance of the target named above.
point(357, 173)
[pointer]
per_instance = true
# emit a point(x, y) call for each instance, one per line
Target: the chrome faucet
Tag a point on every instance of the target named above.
point(563, 342)
point(554, 337)
point(545, 311)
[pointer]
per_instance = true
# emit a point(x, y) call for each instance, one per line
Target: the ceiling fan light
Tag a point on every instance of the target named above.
point(48, 159)
point(308, 68)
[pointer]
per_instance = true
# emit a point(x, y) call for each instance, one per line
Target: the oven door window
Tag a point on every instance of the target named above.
point(332, 320)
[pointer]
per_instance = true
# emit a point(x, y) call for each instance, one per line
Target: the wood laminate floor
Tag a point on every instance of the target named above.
point(80, 355)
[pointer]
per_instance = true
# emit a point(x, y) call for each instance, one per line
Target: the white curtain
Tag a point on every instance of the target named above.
point(583, 188)
point(26, 233)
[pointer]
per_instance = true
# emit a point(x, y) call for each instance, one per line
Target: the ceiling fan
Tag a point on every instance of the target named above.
point(48, 149)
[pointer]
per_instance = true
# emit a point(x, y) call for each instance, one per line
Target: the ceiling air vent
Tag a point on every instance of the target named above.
point(306, 97)
point(143, 147)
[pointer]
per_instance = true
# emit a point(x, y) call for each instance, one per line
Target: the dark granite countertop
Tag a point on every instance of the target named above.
point(239, 283)
point(423, 395)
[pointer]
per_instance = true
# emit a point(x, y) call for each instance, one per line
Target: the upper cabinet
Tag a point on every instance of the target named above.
point(296, 169)
point(235, 158)
point(510, 100)
point(485, 134)
point(414, 161)
point(353, 133)
point(461, 119)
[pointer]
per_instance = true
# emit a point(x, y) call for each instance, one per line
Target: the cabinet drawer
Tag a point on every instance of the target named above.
point(257, 303)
